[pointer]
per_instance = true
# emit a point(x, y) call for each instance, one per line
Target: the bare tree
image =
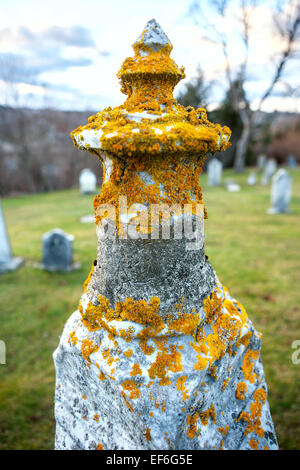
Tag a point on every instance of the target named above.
point(287, 25)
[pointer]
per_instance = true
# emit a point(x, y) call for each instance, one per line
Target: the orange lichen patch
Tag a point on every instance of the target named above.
point(241, 389)
point(84, 397)
point(224, 431)
point(86, 282)
point(96, 418)
point(180, 384)
point(209, 413)
point(147, 434)
point(136, 370)
point(253, 418)
point(185, 323)
point(248, 364)
point(72, 338)
point(165, 361)
point(127, 402)
point(245, 340)
point(99, 446)
point(253, 444)
point(131, 386)
point(225, 383)
point(101, 376)
point(192, 425)
point(204, 417)
point(233, 310)
point(128, 353)
point(212, 306)
point(147, 350)
point(151, 414)
point(87, 348)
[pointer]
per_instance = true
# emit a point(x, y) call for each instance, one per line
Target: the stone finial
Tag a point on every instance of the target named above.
point(152, 39)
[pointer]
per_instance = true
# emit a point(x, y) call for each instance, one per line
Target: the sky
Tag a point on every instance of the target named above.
point(65, 54)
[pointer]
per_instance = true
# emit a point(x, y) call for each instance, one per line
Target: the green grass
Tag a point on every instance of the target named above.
point(255, 255)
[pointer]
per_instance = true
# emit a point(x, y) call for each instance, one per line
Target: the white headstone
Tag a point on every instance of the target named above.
point(281, 192)
point(261, 161)
point(87, 181)
point(232, 186)
point(270, 168)
point(252, 179)
point(214, 172)
point(58, 251)
point(7, 261)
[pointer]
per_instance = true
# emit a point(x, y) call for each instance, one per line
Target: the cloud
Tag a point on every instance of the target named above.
point(53, 36)
point(18, 67)
point(26, 54)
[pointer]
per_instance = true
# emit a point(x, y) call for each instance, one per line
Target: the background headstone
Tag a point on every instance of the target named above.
point(8, 262)
point(232, 186)
point(261, 162)
point(252, 179)
point(87, 181)
point(214, 172)
point(58, 251)
point(291, 161)
point(269, 171)
point(281, 192)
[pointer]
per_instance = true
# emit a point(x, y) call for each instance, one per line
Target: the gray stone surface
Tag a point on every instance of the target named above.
point(281, 192)
point(214, 172)
point(8, 262)
point(58, 251)
point(87, 181)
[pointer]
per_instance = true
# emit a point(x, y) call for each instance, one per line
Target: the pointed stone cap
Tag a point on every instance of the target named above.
point(152, 39)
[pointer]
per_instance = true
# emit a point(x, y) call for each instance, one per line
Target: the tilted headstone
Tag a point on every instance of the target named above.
point(58, 251)
point(269, 171)
point(291, 161)
point(214, 172)
point(281, 192)
point(158, 354)
point(261, 162)
point(87, 181)
point(252, 179)
point(8, 262)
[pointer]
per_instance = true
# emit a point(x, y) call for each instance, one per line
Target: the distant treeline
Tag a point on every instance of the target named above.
point(37, 153)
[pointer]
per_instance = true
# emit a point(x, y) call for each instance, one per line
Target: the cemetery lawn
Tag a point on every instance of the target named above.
point(255, 255)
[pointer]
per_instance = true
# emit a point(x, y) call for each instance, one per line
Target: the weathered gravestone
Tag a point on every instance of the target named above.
point(87, 181)
point(8, 262)
point(291, 161)
point(261, 162)
point(58, 251)
point(269, 171)
point(252, 179)
point(214, 172)
point(280, 192)
point(158, 354)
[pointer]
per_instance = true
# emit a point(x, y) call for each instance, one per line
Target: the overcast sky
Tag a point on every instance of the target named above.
point(75, 48)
